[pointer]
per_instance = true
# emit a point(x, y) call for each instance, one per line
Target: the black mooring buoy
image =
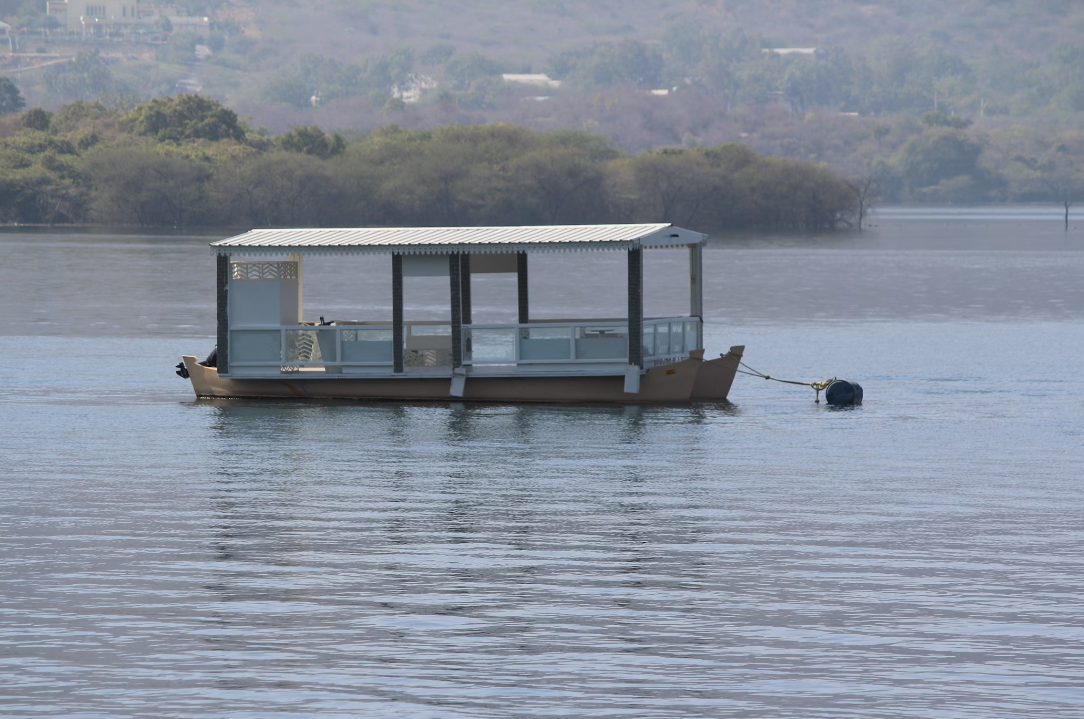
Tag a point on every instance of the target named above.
point(843, 393)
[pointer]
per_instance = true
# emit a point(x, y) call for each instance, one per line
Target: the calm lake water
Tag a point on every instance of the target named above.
point(920, 556)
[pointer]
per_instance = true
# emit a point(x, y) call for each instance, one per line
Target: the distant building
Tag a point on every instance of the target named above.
point(93, 16)
point(96, 17)
point(818, 52)
point(189, 22)
point(539, 80)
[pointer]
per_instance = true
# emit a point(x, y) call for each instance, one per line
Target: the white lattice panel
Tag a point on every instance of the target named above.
point(263, 270)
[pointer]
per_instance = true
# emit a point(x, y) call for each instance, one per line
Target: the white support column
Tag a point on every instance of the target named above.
point(298, 258)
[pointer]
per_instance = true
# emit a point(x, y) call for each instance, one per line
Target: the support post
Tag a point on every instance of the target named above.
point(397, 313)
point(521, 277)
point(223, 299)
point(636, 307)
point(457, 310)
point(696, 280)
point(464, 282)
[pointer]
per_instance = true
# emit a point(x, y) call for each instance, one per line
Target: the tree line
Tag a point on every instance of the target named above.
point(186, 160)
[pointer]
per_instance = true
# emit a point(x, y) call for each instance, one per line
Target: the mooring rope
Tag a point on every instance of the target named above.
point(818, 386)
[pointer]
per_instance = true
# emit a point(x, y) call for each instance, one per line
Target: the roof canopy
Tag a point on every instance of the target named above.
point(443, 240)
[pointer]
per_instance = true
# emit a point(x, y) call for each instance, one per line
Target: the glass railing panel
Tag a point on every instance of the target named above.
point(419, 330)
point(256, 346)
point(662, 339)
point(677, 338)
point(308, 346)
point(692, 335)
point(545, 343)
point(649, 340)
point(367, 346)
point(599, 342)
point(490, 346)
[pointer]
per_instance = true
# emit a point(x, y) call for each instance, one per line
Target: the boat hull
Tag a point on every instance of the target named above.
point(689, 380)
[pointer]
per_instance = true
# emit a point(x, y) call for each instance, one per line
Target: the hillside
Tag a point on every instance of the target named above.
point(996, 86)
point(529, 32)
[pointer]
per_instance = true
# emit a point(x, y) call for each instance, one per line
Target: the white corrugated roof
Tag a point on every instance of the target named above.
point(441, 240)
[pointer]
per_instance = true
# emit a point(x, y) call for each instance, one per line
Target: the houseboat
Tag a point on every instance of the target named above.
point(266, 347)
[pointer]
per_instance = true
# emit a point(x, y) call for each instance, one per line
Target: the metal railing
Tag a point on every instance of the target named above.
point(358, 347)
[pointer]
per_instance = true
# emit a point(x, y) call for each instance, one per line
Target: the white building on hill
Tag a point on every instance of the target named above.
point(99, 16)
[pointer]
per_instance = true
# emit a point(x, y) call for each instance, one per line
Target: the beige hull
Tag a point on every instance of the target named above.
point(688, 381)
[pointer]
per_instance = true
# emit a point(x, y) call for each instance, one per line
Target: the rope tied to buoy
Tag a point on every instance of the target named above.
point(818, 386)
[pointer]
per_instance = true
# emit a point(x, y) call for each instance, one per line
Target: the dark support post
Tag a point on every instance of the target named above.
point(464, 281)
point(521, 276)
point(696, 280)
point(223, 298)
point(397, 312)
point(636, 307)
point(457, 309)
point(696, 289)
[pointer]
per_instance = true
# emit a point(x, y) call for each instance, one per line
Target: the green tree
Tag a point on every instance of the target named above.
point(629, 62)
point(289, 90)
point(568, 185)
point(1063, 75)
point(141, 185)
point(809, 83)
point(39, 178)
point(312, 141)
point(82, 115)
point(1063, 174)
point(186, 117)
point(84, 78)
point(279, 189)
point(462, 71)
point(939, 155)
point(671, 185)
point(37, 119)
point(11, 100)
point(935, 118)
point(1056, 174)
point(867, 190)
point(797, 195)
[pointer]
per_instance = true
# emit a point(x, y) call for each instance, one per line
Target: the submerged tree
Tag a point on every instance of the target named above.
point(867, 191)
point(1061, 173)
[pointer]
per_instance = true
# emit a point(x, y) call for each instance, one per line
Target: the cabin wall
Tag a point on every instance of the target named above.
point(264, 294)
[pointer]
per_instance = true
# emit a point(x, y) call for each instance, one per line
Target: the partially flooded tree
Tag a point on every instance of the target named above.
point(1055, 175)
point(867, 191)
point(1061, 173)
point(140, 185)
point(671, 185)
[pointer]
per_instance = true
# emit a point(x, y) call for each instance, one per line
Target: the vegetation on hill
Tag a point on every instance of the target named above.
point(186, 160)
point(973, 101)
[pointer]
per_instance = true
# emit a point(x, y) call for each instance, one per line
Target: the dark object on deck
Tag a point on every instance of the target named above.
point(212, 359)
point(843, 393)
